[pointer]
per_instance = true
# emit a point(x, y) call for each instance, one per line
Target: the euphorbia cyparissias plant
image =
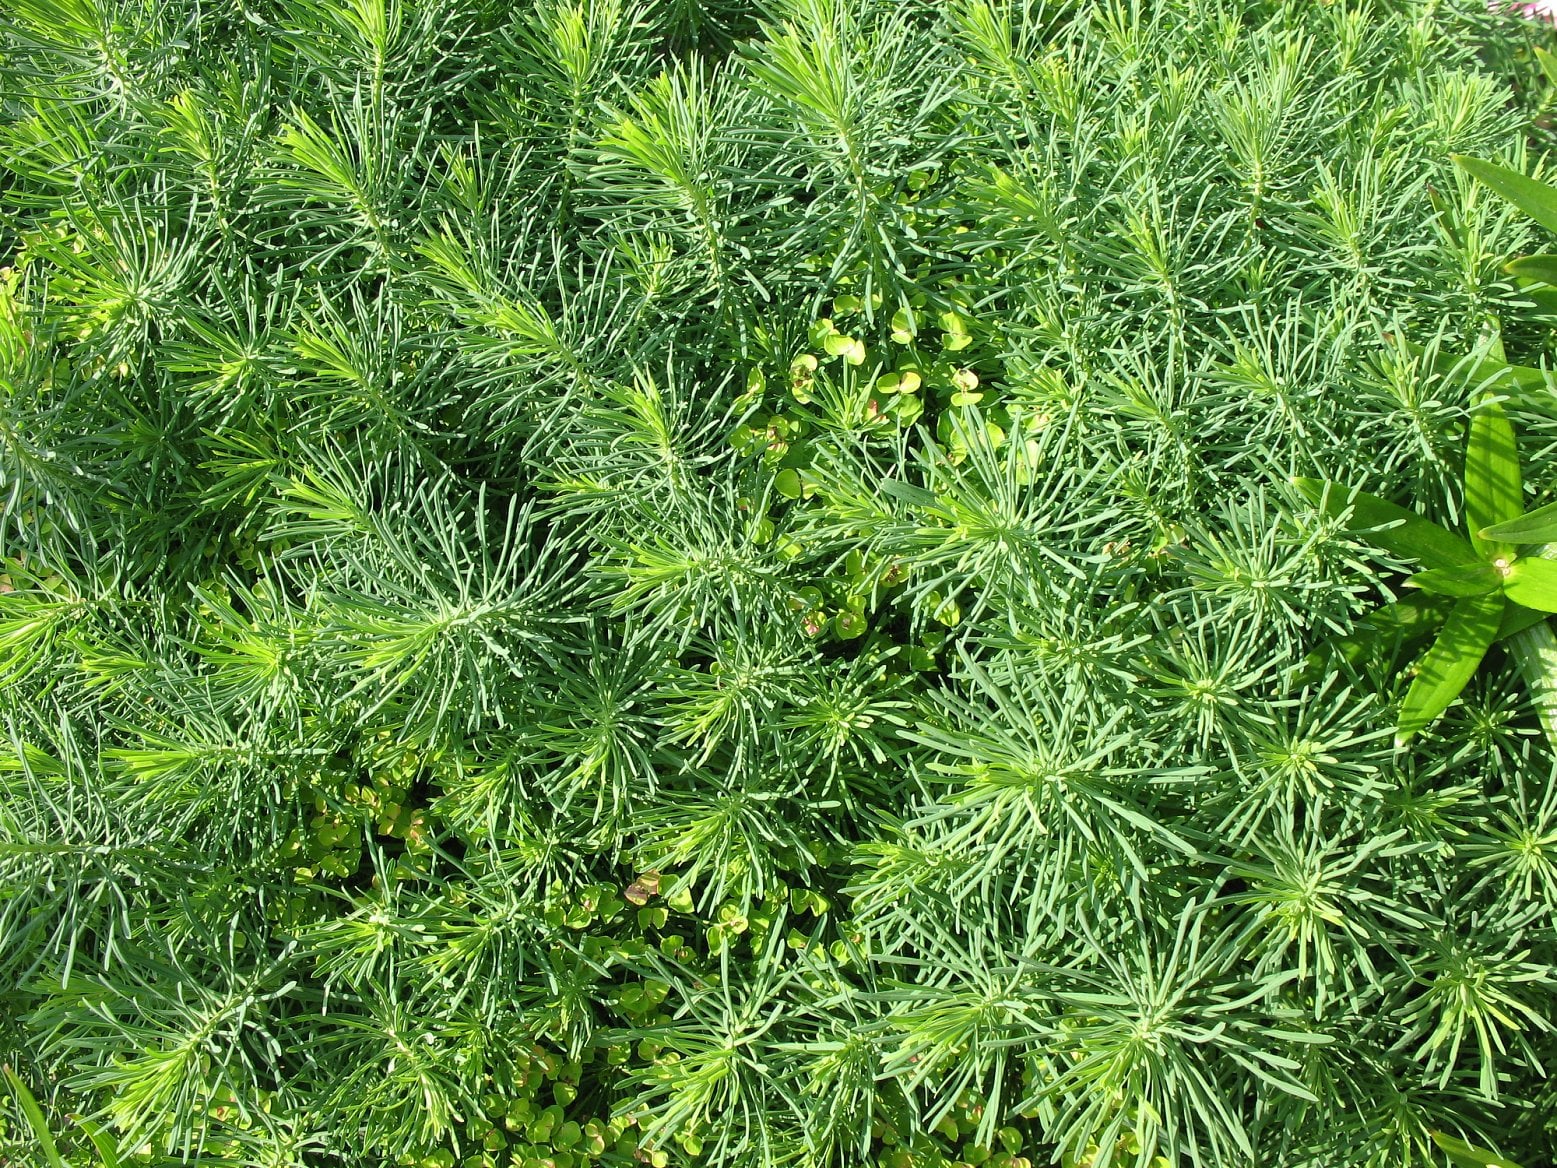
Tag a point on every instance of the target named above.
point(1492, 593)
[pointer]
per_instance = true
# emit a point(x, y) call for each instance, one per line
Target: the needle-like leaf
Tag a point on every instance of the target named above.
point(698, 582)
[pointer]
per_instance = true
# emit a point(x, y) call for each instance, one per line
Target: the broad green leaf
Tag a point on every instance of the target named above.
point(1532, 582)
point(1414, 615)
point(1449, 664)
point(1484, 371)
point(1470, 580)
point(1523, 385)
point(1544, 299)
point(1387, 526)
point(33, 1114)
point(1494, 492)
point(1469, 1156)
point(1530, 195)
point(1384, 633)
point(107, 1151)
point(1516, 619)
point(1536, 267)
point(1548, 64)
point(1494, 344)
point(1538, 526)
point(1444, 213)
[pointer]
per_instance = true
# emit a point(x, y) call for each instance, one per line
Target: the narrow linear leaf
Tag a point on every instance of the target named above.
point(1387, 526)
point(1530, 195)
point(1538, 526)
point(35, 1120)
point(1494, 492)
point(1470, 580)
point(1532, 582)
point(1450, 663)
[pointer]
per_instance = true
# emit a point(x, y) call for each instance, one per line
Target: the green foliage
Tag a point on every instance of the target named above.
point(1495, 592)
point(713, 584)
point(1464, 1155)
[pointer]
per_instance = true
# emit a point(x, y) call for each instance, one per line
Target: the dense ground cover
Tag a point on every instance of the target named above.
point(695, 584)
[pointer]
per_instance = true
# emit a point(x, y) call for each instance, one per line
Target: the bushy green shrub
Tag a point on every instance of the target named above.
point(700, 583)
